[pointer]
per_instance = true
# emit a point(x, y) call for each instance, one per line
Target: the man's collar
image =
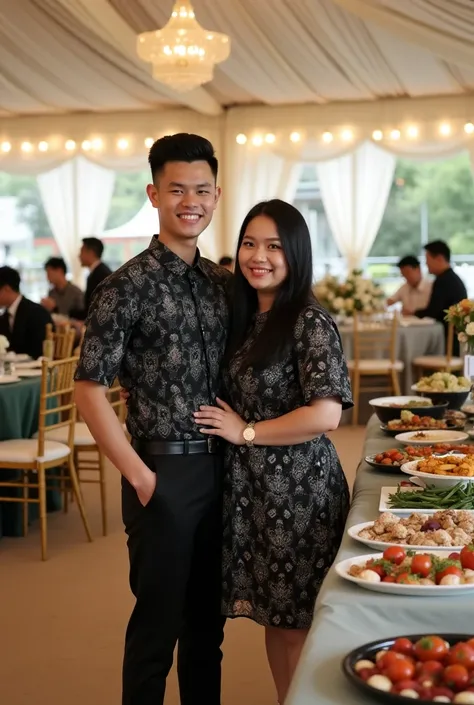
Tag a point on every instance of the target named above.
point(13, 308)
point(94, 265)
point(171, 261)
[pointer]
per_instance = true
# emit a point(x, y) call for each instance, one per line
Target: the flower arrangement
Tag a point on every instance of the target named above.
point(4, 344)
point(461, 315)
point(356, 293)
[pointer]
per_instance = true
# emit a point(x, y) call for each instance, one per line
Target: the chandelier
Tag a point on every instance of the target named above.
point(183, 53)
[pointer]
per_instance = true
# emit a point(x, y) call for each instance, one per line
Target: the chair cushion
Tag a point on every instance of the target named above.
point(376, 365)
point(82, 435)
point(25, 450)
point(438, 361)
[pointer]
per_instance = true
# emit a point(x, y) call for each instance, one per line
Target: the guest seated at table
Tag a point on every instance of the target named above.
point(227, 262)
point(415, 293)
point(448, 287)
point(24, 322)
point(90, 256)
point(64, 296)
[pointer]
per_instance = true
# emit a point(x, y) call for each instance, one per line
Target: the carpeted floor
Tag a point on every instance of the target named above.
point(62, 622)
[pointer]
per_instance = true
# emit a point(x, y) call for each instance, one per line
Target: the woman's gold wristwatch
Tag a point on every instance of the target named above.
point(249, 433)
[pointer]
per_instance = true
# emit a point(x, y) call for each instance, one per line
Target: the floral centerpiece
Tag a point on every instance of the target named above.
point(356, 293)
point(461, 315)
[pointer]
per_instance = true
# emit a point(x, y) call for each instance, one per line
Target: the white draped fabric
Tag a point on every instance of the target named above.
point(76, 198)
point(355, 190)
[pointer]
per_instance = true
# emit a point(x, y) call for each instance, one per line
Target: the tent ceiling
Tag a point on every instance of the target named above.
point(69, 56)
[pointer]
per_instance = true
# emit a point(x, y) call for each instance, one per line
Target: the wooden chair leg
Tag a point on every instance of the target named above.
point(396, 384)
point(77, 492)
point(26, 505)
point(42, 512)
point(103, 493)
point(356, 396)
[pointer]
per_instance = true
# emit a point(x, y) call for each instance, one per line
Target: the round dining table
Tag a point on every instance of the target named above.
point(19, 413)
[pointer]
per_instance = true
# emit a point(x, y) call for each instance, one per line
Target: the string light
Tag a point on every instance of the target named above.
point(70, 145)
point(468, 128)
point(412, 132)
point(257, 141)
point(327, 137)
point(347, 135)
point(43, 146)
point(6, 147)
point(395, 134)
point(241, 139)
point(122, 143)
point(270, 139)
point(26, 147)
point(149, 142)
point(86, 145)
point(445, 129)
point(295, 137)
point(377, 135)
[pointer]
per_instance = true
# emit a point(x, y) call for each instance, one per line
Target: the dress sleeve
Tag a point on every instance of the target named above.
point(113, 312)
point(321, 364)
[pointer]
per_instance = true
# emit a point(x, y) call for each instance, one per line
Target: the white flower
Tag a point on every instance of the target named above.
point(470, 328)
point(349, 305)
point(338, 303)
point(4, 344)
point(462, 337)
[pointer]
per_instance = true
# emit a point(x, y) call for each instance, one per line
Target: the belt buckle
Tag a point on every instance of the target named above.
point(211, 445)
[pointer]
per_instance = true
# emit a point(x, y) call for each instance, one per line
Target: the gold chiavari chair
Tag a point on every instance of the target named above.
point(34, 457)
point(62, 339)
point(439, 363)
point(374, 355)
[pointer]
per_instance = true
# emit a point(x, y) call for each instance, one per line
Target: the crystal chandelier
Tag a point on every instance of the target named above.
point(183, 54)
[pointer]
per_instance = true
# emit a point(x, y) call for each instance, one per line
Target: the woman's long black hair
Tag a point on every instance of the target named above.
point(292, 296)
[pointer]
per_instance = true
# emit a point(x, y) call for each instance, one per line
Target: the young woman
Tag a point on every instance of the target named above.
point(286, 498)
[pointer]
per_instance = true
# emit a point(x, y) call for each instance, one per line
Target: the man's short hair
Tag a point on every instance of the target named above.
point(94, 245)
point(182, 147)
point(10, 277)
point(226, 261)
point(439, 248)
point(409, 261)
point(56, 263)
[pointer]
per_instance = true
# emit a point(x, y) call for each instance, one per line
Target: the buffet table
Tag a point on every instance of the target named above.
point(348, 616)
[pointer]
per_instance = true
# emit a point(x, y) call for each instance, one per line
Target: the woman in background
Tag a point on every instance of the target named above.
point(286, 497)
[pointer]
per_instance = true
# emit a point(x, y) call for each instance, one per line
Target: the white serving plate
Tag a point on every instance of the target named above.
point(415, 321)
point(382, 545)
point(13, 357)
point(387, 401)
point(431, 437)
point(431, 479)
point(384, 506)
point(29, 372)
point(342, 569)
point(8, 379)
point(33, 365)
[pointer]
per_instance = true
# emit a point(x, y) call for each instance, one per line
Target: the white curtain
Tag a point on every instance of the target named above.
point(355, 190)
point(253, 175)
point(76, 198)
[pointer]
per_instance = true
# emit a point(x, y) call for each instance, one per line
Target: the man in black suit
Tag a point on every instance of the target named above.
point(23, 322)
point(90, 256)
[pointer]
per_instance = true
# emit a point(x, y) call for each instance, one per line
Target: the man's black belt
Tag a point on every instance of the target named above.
point(209, 446)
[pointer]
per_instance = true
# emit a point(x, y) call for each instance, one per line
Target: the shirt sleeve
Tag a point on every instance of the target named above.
point(398, 295)
point(113, 312)
point(321, 364)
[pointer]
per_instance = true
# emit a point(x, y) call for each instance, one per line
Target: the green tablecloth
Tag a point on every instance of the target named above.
point(19, 410)
point(348, 616)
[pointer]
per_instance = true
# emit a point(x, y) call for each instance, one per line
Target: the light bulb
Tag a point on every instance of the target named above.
point(395, 134)
point(412, 132)
point(270, 139)
point(6, 147)
point(347, 135)
point(327, 137)
point(445, 129)
point(43, 146)
point(241, 139)
point(26, 147)
point(86, 145)
point(149, 142)
point(70, 145)
point(377, 135)
point(257, 140)
point(469, 128)
point(122, 144)
point(295, 137)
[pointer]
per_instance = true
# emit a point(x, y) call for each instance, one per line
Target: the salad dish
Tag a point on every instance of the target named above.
point(429, 668)
point(446, 475)
point(389, 408)
point(443, 386)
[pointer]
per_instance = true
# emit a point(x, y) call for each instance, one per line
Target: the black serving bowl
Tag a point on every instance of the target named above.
point(386, 413)
point(455, 400)
point(368, 651)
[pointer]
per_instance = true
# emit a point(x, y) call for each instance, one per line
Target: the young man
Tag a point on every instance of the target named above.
point(416, 291)
point(64, 296)
point(90, 256)
point(23, 322)
point(160, 324)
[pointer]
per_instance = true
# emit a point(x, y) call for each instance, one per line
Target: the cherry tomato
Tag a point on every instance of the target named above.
point(455, 556)
point(470, 642)
point(403, 646)
point(442, 690)
point(456, 676)
point(394, 554)
point(431, 669)
point(389, 579)
point(461, 653)
point(430, 648)
point(450, 570)
point(388, 658)
point(365, 673)
point(386, 461)
point(400, 670)
point(421, 565)
point(406, 685)
point(467, 557)
point(377, 568)
point(407, 579)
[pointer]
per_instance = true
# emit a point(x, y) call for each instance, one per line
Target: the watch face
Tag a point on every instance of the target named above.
point(249, 434)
